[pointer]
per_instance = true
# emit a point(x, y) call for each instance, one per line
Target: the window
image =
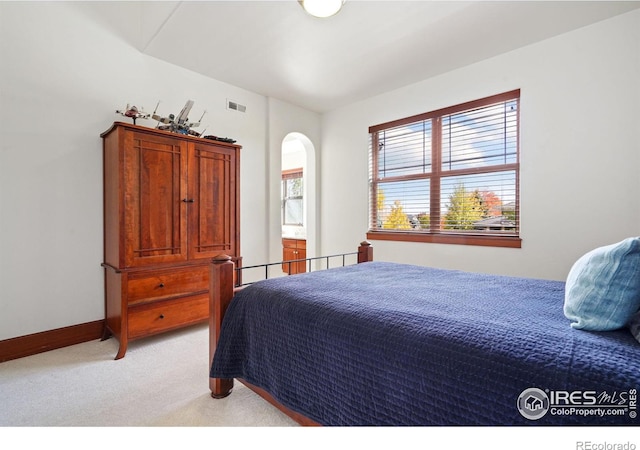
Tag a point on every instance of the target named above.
point(292, 197)
point(448, 176)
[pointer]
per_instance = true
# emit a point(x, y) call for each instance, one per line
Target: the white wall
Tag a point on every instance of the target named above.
point(580, 147)
point(62, 76)
point(283, 120)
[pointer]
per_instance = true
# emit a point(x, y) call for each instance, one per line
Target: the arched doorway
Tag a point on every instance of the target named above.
point(298, 197)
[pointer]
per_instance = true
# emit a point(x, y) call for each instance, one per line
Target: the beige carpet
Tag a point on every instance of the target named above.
point(162, 381)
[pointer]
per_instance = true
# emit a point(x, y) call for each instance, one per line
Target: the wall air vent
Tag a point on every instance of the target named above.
point(236, 106)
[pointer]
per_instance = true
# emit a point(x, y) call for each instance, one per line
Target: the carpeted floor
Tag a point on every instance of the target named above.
point(162, 381)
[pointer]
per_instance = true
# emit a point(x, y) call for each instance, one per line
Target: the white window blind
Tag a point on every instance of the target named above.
point(451, 171)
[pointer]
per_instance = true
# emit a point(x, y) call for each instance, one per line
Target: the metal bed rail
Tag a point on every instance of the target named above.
point(327, 259)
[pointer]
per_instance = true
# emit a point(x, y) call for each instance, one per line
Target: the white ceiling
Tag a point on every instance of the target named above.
point(275, 49)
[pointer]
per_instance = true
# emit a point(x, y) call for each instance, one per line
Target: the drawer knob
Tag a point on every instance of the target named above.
point(162, 316)
point(161, 285)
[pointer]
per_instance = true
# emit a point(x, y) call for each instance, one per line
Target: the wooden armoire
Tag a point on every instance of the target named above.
point(171, 204)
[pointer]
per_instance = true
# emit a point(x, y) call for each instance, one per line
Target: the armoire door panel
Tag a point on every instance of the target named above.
point(155, 214)
point(212, 214)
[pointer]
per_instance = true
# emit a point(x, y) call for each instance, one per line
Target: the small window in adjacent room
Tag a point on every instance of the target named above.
point(292, 197)
point(448, 176)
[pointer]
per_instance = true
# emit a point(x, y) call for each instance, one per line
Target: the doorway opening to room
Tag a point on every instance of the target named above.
point(298, 202)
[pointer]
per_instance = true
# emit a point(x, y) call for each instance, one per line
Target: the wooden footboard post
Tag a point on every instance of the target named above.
point(220, 294)
point(365, 252)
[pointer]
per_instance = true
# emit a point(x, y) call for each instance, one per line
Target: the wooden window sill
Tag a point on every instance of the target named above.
point(458, 239)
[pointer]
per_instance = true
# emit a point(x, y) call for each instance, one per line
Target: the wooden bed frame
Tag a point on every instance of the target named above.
point(222, 289)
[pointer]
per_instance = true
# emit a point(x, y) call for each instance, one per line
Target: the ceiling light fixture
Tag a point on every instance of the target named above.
point(322, 8)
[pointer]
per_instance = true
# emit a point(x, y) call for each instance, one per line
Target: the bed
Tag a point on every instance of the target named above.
point(388, 344)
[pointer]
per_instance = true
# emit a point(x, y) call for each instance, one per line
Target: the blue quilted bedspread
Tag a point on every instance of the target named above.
point(390, 344)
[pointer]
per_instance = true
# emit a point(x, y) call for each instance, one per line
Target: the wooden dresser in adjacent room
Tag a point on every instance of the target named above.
point(292, 250)
point(171, 203)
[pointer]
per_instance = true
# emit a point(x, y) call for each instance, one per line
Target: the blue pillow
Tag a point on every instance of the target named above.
point(602, 291)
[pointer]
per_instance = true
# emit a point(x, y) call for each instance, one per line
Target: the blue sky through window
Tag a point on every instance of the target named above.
point(471, 140)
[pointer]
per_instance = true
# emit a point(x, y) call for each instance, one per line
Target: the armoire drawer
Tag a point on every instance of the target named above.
point(149, 286)
point(151, 318)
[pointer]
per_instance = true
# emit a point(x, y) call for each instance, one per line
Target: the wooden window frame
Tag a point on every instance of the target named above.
point(435, 234)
